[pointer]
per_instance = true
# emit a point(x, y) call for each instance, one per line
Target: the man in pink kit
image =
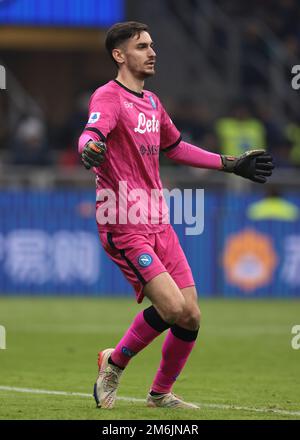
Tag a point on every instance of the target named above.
point(127, 129)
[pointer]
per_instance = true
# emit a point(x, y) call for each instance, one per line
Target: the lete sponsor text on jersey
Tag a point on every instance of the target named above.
point(149, 125)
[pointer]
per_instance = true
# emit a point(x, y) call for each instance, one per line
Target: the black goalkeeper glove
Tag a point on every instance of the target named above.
point(255, 165)
point(93, 154)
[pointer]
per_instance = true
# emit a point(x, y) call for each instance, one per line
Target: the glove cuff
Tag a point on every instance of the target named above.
point(229, 163)
point(97, 147)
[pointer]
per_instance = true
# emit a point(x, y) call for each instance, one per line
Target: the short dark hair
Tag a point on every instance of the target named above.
point(121, 32)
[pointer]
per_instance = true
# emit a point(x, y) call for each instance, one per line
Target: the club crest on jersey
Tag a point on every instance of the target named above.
point(94, 117)
point(152, 102)
point(145, 260)
point(149, 125)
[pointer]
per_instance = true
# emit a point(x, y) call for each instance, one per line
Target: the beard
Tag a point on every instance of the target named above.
point(146, 75)
point(141, 73)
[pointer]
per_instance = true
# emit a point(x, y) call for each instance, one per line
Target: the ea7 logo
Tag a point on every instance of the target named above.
point(128, 104)
point(296, 339)
point(2, 78)
point(2, 338)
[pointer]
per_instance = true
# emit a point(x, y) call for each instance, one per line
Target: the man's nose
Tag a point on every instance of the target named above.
point(152, 52)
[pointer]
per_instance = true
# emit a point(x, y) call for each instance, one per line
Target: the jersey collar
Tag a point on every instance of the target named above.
point(139, 95)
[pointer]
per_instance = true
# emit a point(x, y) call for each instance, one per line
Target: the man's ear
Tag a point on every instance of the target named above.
point(118, 55)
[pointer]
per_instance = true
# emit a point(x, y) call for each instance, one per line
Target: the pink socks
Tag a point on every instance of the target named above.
point(146, 326)
point(176, 349)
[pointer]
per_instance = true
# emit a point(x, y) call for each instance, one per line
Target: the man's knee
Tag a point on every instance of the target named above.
point(190, 318)
point(195, 318)
point(174, 310)
point(165, 297)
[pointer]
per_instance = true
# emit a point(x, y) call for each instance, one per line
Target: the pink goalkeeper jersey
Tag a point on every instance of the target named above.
point(135, 127)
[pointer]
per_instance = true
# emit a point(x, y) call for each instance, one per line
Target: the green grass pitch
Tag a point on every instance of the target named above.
point(243, 366)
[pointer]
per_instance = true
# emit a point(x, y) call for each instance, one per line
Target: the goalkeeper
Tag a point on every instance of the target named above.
point(127, 129)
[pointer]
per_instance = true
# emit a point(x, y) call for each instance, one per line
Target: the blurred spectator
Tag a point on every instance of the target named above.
point(69, 158)
point(293, 135)
point(258, 21)
point(273, 207)
point(72, 129)
point(29, 146)
point(292, 46)
point(256, 24)
point(254, 56)
point(281, 151)
point(240, 131)
point(210, 142)
point(281, 16)
point(76, 122)
point(287, 12)
point(193, 122)
point(190, 120)
point(274, 131)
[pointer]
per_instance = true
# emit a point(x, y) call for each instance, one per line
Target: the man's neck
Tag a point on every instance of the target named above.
point(134, 84)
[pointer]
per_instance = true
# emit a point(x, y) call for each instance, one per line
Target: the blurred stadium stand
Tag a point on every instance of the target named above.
point(229, 90)
point(231, 76)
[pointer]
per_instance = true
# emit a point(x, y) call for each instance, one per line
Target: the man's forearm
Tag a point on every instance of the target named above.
point(84, 138)
point(188, 154)
point(92, 150)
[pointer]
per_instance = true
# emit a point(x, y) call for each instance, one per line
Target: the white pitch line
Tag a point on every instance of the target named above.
point(133, 399)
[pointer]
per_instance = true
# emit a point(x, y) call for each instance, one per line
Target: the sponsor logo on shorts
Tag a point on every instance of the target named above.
point(128, 352)
point(145, 260)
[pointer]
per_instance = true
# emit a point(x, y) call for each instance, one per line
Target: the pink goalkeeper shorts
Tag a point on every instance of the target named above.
point(141, 257)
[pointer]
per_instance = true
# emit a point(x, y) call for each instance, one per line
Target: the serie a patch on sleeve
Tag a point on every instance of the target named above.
point(94, 117)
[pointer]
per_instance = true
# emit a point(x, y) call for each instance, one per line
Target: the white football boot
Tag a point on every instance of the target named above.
point(168, 400)
point(105, 388)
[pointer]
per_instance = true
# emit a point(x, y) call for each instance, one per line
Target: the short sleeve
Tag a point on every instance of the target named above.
point(169, 135)
point(104, 111)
